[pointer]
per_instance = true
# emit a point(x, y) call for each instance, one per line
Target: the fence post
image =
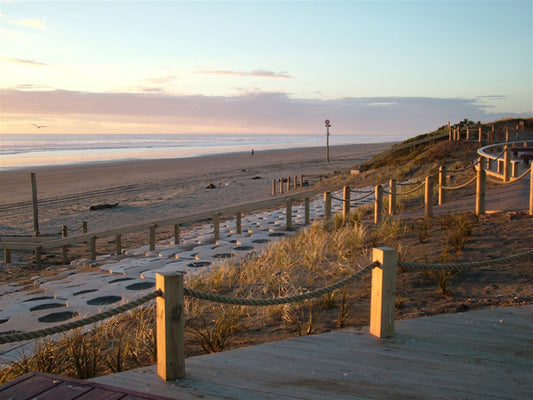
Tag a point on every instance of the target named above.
point(7, 256)
point(38, 252)
point(177, 234)
point(429, 197)
point(301, 180)
point(506, 163)
point(273, 187)
point(392, 197)
point(238, 223)
point(64, 233)
point(378, 204)
point(280, 185)
point(327, 207)
point(467, 133)
point(288, 184)
point(92, 247)
point(170, 326)
point(442, 182)
point(383, 292)
point(84, 226)
point(480, 189)
point(152, 237)
point(118, 245)
point(35, 205)
point(306, 217)
point(531, 191)
point(216, 226)
point(288, 215)
point(295, 183)
point(346, 203)
point(480, 135)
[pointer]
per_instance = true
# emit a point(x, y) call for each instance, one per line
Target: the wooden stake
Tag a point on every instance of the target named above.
point(288, 215)
point(480, 189)
point(378, 204)
point(383, 292)
point(392, 197)
point(327, 207)
point(429, 197)
point(442, 182)
point(238, 223)
point(346, 203)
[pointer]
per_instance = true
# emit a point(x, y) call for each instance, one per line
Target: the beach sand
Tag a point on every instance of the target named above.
point(149, 190)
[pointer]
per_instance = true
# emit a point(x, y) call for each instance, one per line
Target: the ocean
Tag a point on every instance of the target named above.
point(34, 150)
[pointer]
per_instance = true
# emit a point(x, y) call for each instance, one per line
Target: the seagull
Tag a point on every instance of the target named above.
point(39, 126)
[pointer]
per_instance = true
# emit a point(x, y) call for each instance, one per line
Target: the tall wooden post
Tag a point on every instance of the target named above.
point(273, 187)
point(38, 253)
point(506, 163)
point(64, 233)
point(307, 218)
point(295, 182)
point(480, 138)
point(383, 292)
point(327, 207)
point(84, 226)
point(152, 237)
point(378, 204)
point(170, 326)
point(118, 244)
point(7, 256)
point(216, 226)
point(288, 184)
point(531, 191)
point(346, 203)
point(467, 133)
point(238, 223)
point(177, 234)
point(392, 197)
point(429, 197)
point(288, 215)
point(480, 189)
point(442, 182)
point(301, 180)
point(280, 185)
point(92, 247)
point(35, 205)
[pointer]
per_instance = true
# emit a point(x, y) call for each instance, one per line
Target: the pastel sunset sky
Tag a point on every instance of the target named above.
point(371, 67)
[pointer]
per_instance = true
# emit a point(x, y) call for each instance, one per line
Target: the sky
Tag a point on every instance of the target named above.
point(370, 67)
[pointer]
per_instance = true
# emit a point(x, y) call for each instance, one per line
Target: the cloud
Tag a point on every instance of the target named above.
point(251, 112)
point(257, 73)
point(25, 62)
point(29, 23)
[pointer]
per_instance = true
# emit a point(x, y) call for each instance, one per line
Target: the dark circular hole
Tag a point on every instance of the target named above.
point(84, 291)
point(47, 306)
point(4, 320)
point(140, 286)
point(222, 255)
point(121, 279)
point(260, 241)
point(276, 234)
point(243, 248)
point(199, 264)
point(102, 301)
point(39, 298)
point(58, 317)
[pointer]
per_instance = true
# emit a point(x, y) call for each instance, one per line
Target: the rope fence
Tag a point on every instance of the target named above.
point(459, 186)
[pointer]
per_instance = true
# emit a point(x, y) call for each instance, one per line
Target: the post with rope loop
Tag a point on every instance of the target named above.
point(383, 292)
point(429, 197)
point(238, 223)
point(118, 244)
point(506, 163)
point(327, 208)
point(442, 182)
point(152, 237)
point(346, 203)
point(392, 197)
point(378, 205)
point(480, 188)
point(170, 326)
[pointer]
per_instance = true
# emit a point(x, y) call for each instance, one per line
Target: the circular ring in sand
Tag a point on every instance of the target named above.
point(84, 291)
point(120, 280)
point(141, 286)
point(220, 256)
point(276, 234)
point(47, 306)
point(102, 301)
point(58, 317)
point(260, 241)
point(199, 264)
point(243, 248)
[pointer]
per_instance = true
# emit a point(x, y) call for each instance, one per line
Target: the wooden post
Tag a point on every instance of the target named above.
point(514, 169)
point(507, 163)
point(480, 189)
point(170, 326)
point(429, 197)
point(177, 234)
point(307, 218)
point(301, 180)
point(64, 233)
point(507, 135)
point(392, 197)
point(288, 184)
point(383, 292)
point(295, 182)
point(288, 215)
point(280, 185)
point(118, 244)
point(84, 226)
point(152, 237)
point(238, 223)
point(92, 247)
point(273, 187)
point(38, 261)
point(480, 138)
point(327, 207)
point(442, 182)
point(531, 191)
point(216, 226)
point(378, 204)
point(346, 203)
point(7, 256)
point(449, 132)
point(35, 205)
point(467, 133)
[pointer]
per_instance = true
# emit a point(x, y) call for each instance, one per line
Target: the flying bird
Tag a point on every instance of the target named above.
point(39, 126)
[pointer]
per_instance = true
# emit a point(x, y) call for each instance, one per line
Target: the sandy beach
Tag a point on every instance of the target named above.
point(148, 190)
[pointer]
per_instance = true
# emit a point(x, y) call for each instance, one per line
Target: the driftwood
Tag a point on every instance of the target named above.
point(103, 206)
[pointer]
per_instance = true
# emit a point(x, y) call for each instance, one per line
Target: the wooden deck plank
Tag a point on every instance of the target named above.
point(481, 354)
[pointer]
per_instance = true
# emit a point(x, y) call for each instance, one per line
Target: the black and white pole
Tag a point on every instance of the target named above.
point(327, 139)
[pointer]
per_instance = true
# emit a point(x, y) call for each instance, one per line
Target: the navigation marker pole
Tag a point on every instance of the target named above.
point(327, 139)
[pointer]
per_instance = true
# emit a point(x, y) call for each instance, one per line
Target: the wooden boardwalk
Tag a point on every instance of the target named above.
point(485, 354)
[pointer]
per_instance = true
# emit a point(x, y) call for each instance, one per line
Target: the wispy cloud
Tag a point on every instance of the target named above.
point(25, 62)
point(29, 23)
point(257, 73)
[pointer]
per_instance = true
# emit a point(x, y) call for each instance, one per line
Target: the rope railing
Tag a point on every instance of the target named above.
point(405, 193)
point(461, 266)
point(409, 183)
point(18, 337)
point(458, 186)
point(514, 180)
